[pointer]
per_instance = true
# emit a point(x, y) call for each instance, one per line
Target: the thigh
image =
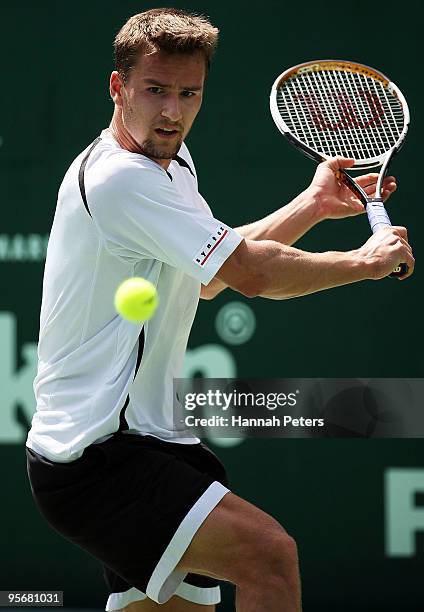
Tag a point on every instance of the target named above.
point(175, 604)
point(232, 540)
point(133, 503)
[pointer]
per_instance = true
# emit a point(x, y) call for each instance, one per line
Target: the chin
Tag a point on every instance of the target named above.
point(159, 151)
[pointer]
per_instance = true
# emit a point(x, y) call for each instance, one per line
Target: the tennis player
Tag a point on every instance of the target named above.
point(107, 468)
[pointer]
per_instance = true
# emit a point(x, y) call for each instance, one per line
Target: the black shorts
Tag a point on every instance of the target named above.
point(134, 502)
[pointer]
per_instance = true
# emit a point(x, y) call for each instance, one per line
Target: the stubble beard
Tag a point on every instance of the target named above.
point(148, 147)
point(153, 150)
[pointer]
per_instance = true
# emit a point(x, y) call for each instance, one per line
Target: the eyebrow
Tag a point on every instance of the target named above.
point(157, 84)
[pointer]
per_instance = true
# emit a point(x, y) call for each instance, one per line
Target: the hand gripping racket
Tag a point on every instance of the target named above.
point(334, 107)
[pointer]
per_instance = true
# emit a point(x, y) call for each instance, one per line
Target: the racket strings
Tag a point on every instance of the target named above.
point(341, 113)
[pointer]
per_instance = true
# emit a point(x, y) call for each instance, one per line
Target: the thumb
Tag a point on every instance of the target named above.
point(335, 163)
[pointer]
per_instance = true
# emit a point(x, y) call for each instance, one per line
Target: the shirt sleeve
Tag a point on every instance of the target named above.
point(140, 214)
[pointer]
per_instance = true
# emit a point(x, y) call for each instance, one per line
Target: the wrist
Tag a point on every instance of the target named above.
point(315, 202)
point(365, 265)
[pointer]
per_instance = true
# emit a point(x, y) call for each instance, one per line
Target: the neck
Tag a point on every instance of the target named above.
point(122, 135)
point(126, 141)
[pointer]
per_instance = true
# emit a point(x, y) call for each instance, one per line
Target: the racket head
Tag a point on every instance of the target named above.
point(338, 107)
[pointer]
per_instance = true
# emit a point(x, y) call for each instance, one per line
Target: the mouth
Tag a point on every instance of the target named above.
point(166, 133)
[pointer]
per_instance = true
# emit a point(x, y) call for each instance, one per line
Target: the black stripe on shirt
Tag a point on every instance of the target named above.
point(123, 424)
point(184, 164)
point(81, 171)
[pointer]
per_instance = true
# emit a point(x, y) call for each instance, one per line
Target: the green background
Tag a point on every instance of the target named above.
point(57, 57)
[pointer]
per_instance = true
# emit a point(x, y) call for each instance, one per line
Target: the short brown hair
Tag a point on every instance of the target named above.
point(166, 29)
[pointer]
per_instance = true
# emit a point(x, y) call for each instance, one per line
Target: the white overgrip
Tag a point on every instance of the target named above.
point(377, 215)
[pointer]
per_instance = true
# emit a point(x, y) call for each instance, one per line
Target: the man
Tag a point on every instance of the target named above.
point(107, 468)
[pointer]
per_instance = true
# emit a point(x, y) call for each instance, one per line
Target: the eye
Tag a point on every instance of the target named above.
point(187, 94)
point(155, 90)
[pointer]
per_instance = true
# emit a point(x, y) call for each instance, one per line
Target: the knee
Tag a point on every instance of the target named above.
point(281, 556)
point(274, 557)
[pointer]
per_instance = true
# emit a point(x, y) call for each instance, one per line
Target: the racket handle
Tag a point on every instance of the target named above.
point(378, 218)
point(377, 215)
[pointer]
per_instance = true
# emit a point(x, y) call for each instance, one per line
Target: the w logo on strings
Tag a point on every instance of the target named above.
point(341, 111)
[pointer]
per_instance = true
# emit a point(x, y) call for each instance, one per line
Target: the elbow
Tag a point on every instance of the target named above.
point(252, 284)
point(205, 295)
point(212, 289)
point(244, 271)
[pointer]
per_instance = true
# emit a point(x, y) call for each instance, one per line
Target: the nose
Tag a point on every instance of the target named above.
point(172, 108)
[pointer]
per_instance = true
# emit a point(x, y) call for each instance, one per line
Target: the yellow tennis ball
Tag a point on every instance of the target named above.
point(136, 299)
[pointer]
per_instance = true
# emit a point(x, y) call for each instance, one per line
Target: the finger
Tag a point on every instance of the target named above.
point(405, 257)
point(368, 183)
point(389, 182)
point(335, 163)
point(405, 245)
point(388, 189)
point(370, 189)
point(394, 238)
point(367, 179)
point(395, 235)
point(389, 185)
point(357, 205)
point(410, 262)
point(388, 192)
point(401, 231)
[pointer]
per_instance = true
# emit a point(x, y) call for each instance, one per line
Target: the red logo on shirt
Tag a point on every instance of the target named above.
point(210, 245)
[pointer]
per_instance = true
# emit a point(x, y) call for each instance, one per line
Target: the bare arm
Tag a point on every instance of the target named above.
point(325, 198)
point(269, 269)
point(286, 225)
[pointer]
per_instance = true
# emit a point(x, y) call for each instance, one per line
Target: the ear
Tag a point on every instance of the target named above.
point(115, 88)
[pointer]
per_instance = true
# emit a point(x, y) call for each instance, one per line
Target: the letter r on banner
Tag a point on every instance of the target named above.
point(403, 517)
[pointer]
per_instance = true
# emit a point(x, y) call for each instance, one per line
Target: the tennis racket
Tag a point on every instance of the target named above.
point(335, 107)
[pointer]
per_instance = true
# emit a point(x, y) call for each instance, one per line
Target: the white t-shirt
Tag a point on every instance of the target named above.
point(139, 220)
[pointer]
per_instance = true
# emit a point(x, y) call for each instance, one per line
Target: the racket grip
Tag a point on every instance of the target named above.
point(378, 218)
point(377, 215)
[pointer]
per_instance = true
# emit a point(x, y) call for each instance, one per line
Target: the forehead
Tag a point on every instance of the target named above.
point(171, 68)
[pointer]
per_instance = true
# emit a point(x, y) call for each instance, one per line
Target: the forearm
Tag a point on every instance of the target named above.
point(287, 224)
point(293, 274)
point(271, 270)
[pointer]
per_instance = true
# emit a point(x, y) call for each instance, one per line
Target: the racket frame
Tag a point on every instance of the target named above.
point(374, 205)
point(371, 162)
